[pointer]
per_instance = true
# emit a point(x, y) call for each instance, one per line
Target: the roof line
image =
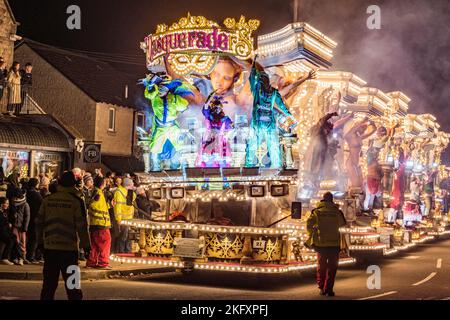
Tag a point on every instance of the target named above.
point(69, 51)
point(24, 42)
point(27, 41)
point(11, 13)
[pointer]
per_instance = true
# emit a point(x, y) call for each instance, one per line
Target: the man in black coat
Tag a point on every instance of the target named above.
point(143, 204)
point(26, 81)
point(34, 200)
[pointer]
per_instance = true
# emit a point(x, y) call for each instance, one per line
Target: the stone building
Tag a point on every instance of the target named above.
point(8, 29)
point(89, 96)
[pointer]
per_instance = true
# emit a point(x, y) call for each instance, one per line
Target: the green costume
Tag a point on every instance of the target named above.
point(167, 102)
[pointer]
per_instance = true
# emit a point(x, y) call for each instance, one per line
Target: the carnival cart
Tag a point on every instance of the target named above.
point(237, 165)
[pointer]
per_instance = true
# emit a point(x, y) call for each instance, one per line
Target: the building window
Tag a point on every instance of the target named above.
point(11, 160)
point(112, 120)
point(47, 163)
point(141, 120)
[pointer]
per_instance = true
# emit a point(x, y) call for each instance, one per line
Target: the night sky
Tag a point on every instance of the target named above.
point(410, 53)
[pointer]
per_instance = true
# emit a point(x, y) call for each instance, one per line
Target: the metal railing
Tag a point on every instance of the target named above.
point(30, 106)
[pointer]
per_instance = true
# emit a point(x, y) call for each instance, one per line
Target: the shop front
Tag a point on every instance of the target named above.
point(34, 147)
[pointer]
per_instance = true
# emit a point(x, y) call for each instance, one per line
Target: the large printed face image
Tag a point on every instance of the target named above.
point(219, 116)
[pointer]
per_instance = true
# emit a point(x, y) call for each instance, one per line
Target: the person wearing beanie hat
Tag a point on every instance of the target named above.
point(88, 188)
point(20, 220)
point(143, 203)
point(87, 179)
point(124, 206)
point(327, 197)
point(323, 235)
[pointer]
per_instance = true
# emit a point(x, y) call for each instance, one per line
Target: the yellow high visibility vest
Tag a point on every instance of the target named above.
point(98, 211)
point(122, 211)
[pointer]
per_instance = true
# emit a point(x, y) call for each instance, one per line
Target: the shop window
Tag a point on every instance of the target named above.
point(112, 120)
point(13, 160)
point(48, 164)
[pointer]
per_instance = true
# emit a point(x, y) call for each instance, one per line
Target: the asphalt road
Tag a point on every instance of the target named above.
point(421, 273)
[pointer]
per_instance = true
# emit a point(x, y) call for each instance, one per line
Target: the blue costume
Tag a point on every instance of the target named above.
point(264, 125)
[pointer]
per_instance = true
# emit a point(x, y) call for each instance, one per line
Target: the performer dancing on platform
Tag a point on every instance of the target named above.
point(264, 123)
point(216, 149)
point(168, 99)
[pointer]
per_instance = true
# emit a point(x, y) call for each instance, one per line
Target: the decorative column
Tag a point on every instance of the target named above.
point(288, 142)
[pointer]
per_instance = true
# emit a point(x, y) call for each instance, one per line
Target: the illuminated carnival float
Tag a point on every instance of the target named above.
point(245, 142)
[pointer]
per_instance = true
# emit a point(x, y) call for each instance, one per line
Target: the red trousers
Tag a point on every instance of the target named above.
point(100, 248)
point(327, 265)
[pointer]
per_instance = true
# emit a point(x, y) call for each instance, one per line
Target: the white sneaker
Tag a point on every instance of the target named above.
point(18, 262)
point(6, 262)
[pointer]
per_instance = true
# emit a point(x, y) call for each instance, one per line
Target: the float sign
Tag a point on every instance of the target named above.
point(188, 248)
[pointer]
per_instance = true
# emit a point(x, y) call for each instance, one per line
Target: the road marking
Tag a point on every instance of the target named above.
point(426, 279)
point(446, 298)
point(9, 298)
point(379, 296)
point(412, 257)
point(439, 263)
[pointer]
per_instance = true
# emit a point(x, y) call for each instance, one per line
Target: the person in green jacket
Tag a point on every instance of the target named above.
point(324, 236)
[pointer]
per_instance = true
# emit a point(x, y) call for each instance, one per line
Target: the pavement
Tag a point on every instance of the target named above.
point(34, 272)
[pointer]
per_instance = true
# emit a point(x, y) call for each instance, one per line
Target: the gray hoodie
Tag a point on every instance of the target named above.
point(20, 214)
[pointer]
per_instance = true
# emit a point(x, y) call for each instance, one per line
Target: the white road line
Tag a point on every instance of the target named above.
point(426, 279)
point(379, 296)
point(439, 263)
point(412, 257)
point(446, 298)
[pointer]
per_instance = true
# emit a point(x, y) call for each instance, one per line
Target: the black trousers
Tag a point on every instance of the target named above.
point(115, 229)
point(56, 262)
point(9, 244)
point(32, 245)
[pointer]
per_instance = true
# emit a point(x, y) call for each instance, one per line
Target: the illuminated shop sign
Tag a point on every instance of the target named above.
point(48, 157)
point(193, 43)
point(14, 155)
